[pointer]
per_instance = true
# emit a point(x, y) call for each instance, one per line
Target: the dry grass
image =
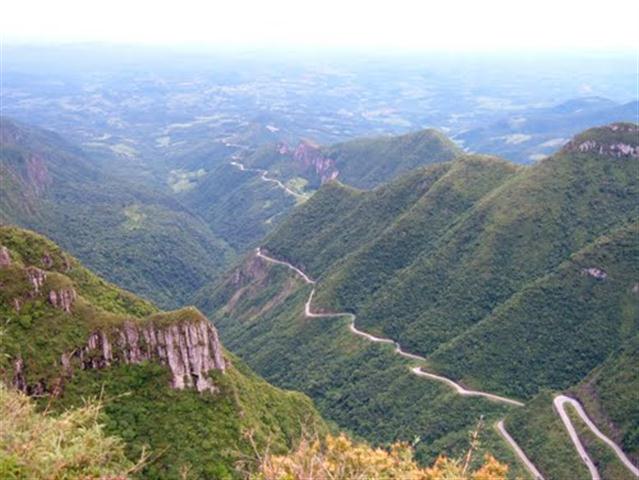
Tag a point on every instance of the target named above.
point(72, 445)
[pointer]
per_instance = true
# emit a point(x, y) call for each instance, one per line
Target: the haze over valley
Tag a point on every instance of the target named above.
point(243, 249)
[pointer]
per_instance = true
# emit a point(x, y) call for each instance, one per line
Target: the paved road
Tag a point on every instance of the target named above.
point(520, 453)
point(559, 401)
point(264, 177)
point(398, 349)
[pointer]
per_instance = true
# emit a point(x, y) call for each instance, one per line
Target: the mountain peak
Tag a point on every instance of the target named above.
point(616, 140)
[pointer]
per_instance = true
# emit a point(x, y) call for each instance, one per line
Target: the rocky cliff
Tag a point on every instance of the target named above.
point(616, 140)
point(183, 340)
point(190, 349)
point(311, 159)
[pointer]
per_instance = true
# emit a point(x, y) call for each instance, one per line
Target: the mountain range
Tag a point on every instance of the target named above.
point(412, 290)
point(516, 280)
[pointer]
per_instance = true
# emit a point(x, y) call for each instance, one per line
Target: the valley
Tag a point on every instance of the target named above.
point(302, 244)
point(248, 265)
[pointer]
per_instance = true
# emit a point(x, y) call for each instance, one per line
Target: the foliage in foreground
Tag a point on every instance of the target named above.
point(67, 446)
point(191, 435)
point(338, 457)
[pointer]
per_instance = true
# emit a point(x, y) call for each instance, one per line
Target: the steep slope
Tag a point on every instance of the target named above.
point(556, 329)
point(609, 395)
point(238, 205)
point(509, 279)
point(362, 163)
point(165, 378)
point(241, 205)
point(454, 277)
point(108, 223)
point(363, 386)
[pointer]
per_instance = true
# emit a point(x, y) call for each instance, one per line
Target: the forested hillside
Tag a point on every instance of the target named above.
point(514, 280)
point(168, 386)
point(363, 162)
point(142, 239)
point(242, 208)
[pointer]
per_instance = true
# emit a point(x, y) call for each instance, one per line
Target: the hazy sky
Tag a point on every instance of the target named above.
point(420, 24)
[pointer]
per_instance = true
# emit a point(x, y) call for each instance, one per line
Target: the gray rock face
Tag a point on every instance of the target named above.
point(190, 349)
point(595, 272)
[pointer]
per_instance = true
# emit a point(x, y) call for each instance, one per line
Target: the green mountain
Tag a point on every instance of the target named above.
point(517, 280)
point(241, 207)
point(141, 239)
point(166, 381)
point(362, 163)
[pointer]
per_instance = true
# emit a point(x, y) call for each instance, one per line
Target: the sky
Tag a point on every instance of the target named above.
point(369, 24)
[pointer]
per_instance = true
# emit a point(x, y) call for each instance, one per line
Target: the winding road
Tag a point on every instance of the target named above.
point(265, 178)
point(559, 401)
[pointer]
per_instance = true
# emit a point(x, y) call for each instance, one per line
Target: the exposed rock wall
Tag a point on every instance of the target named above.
point(63, 298)
point(190, 349)
point(36, 278)
point(311, 158)
point(616, 148)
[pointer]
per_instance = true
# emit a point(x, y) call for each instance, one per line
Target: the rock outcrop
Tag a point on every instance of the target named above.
point(190, 349)
point(63, 298)
point(620, 141)
point(311, 158)
point(595, 272)
point(36, 278)
point(5, 257)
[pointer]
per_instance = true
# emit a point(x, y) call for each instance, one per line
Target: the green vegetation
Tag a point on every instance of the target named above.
point(539, 430)
point(237, 205)
point(510, 279)
point(361, 386)
point(139, 238)
point(450, 269)
point(198, 435)
point(540, 433)
point(242, 209)
point(610, 396)
point(36, 446)
point(608, 464)
point(368, 162)
point(363, 162)
point(555, 330)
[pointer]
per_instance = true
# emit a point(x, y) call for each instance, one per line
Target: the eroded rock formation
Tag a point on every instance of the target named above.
point(63, 298)
point(311, 158)
point(190, 349)
point(36, 278)
point(595, 272)
point(616, 148)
